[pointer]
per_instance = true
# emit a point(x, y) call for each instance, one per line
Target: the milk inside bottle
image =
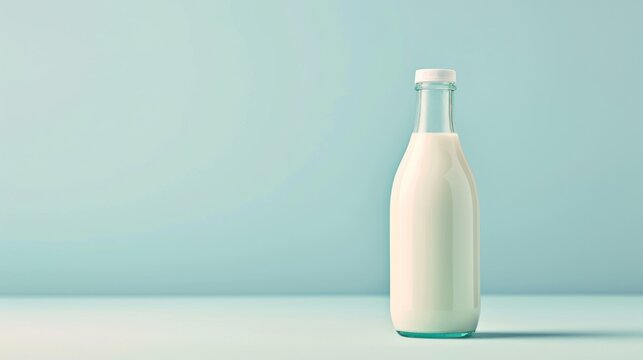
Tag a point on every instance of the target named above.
point(434, 223)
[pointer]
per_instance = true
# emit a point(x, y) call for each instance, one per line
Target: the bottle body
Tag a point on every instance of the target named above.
point(434, 239)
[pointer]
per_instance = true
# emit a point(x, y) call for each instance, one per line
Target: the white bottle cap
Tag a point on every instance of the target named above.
point(434, 75)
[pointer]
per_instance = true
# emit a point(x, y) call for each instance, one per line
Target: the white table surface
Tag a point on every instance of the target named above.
point(311, 327)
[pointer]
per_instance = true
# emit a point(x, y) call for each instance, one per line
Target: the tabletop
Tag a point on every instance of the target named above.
point(310, 327)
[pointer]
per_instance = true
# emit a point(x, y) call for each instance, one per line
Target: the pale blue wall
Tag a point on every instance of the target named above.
point(249, 147)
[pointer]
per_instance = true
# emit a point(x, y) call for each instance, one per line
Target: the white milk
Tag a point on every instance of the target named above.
point(435, 280)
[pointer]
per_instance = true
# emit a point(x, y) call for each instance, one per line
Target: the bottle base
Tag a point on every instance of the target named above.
point(451, 335)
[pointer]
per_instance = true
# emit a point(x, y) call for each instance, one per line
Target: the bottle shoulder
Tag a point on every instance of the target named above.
point(434, 158)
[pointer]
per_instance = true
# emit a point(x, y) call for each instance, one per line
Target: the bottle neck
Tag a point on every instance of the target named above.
point(435, 107)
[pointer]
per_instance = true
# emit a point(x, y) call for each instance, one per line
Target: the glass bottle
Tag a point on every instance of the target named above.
point(434, 223)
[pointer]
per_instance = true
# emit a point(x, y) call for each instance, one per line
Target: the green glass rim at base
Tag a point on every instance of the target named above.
point(449, 335)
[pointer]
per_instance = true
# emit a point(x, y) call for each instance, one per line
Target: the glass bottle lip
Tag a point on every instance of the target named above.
point(434, 85)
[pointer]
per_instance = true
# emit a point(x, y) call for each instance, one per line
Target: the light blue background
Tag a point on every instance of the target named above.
point(155, 147)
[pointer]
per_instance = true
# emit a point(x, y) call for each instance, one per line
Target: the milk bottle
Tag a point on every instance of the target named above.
point(434, 223)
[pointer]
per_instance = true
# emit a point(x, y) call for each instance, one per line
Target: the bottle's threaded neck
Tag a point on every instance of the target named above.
point(435, 107)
